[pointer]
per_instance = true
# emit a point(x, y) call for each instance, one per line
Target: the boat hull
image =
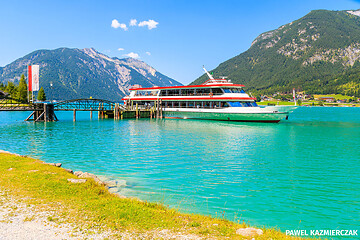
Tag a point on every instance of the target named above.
point(255, 116)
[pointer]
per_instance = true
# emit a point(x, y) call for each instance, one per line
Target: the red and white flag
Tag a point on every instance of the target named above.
point(33, 75)
point(294, 95)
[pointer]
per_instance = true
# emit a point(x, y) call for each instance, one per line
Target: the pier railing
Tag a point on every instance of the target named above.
point(8, 104)
point(87, 104)
point(45, 111)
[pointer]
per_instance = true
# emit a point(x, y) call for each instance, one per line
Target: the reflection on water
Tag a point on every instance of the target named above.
point(300, 173)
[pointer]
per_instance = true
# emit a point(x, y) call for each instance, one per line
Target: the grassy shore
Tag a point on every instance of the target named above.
point(90, 205)
point(309, 103)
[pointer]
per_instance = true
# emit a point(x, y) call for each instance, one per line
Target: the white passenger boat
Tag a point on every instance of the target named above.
point(215, 99)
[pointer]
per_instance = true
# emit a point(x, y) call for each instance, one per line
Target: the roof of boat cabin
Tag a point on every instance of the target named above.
point(189, 86)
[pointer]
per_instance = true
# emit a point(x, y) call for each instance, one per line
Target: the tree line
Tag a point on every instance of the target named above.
point(20, 92)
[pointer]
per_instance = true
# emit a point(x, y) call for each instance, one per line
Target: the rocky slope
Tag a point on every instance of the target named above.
point(83, 73)
point(318, 53)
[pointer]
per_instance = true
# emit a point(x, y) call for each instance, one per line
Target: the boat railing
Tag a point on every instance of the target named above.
point(192, 94)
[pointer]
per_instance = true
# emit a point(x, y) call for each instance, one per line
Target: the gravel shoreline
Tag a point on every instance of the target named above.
point(21, 221)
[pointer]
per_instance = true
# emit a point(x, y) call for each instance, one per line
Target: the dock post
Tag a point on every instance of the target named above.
point(161, 112)
point(27, 119)
point(74, 119)
point(99, 111)
point(157, 108)
point(45, 113)
point(117, 111)
point(91, 113)
point(136, 111)
point(102, 111)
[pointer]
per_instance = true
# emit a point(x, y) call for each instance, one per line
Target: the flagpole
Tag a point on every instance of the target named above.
point(28, 95)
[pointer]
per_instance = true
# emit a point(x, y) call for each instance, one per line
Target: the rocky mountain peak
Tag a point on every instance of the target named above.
point(77, 73)
point(354, 12)
point(319, 52)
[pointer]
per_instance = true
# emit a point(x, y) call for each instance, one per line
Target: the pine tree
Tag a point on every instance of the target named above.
point(22, 89)
point(11, 89)
point(41, 95)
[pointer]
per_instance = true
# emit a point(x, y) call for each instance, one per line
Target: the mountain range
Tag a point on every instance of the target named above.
point(83, 73)
point(318, 53)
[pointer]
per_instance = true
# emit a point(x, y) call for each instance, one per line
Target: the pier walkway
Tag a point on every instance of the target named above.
point(45, 111)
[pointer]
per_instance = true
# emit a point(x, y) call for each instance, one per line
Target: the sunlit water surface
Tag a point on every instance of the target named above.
point(297, 174)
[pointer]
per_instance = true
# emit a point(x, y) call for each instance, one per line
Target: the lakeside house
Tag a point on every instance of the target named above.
point(3, 94)
point(341, 101)
point(266, 98)
point(327, 99)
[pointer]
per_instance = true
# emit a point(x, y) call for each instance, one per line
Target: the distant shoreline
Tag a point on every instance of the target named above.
point(306, 104)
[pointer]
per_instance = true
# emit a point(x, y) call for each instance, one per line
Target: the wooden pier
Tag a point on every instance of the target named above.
point(131, 111)
point(45, 112)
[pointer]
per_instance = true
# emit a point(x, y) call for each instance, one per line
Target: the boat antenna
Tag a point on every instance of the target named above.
point(211, 77)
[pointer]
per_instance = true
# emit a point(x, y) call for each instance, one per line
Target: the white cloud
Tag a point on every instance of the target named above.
point(148, 53)
point(150, 24)
point(121, 49)
point(133, 22)
point(115, 24)
point(132, 55)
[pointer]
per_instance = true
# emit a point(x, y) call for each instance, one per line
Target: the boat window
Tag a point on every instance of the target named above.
point(233, 90)
point(243, 104)
point(226, 90)
point(200, 104)
point(203, 91)
point(172, 92)
point(235, 104)
point(142, 93)
point(224, 104)
point(216, 91)
point(187, 92)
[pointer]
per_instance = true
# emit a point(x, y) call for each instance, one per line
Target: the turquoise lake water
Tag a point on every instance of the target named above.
point(298, 174)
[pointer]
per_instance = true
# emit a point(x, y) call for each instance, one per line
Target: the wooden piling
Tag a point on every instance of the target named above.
point(136, 111)
point(99, 114)
point(161, 112)
point(74, 119)
point(45, 113)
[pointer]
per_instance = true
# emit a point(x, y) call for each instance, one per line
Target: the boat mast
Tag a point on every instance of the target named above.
point(210, 77)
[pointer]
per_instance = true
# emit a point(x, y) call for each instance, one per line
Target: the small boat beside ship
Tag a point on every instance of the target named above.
point(215, 99)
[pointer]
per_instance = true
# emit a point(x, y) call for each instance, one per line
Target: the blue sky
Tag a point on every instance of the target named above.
point(182, 36)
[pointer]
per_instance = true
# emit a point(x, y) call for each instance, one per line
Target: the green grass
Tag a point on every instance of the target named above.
point(275, 103)
point(92, 206)
point(336, 96)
